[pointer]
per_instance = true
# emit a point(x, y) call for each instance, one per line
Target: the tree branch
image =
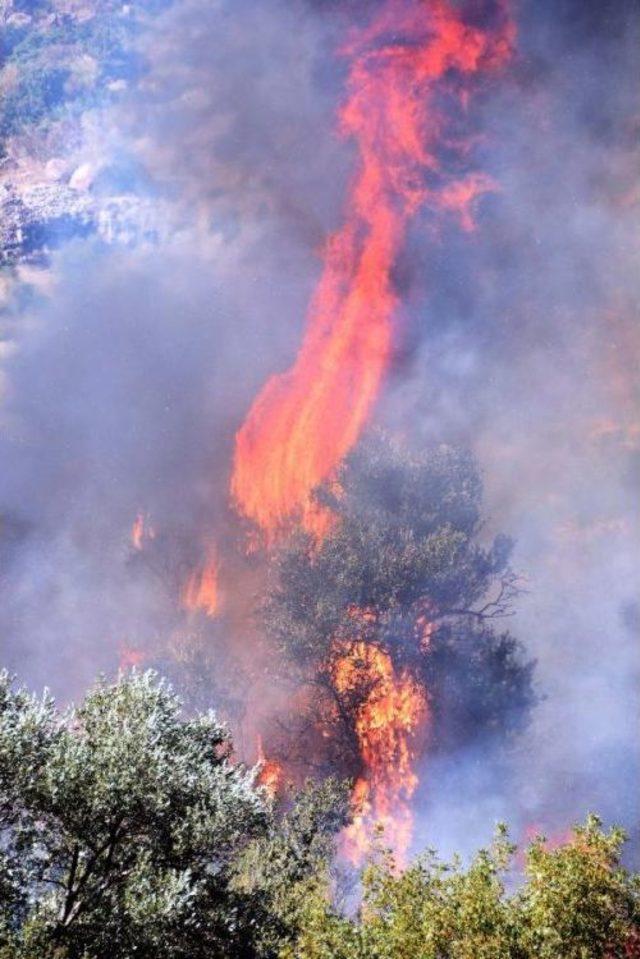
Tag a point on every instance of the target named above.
point(497, 608)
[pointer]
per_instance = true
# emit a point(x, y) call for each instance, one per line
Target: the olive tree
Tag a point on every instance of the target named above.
point(406, 567)
point(128, 830)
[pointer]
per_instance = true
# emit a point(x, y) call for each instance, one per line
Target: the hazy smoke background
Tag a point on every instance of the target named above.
point(124, 385)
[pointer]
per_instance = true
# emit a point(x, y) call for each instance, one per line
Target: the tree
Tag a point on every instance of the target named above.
point(129, 831)
point(405, 569)
point(576, 903)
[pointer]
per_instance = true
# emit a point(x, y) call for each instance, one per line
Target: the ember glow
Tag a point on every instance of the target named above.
point(389, 722)
point(304, 421)
point(130, 658)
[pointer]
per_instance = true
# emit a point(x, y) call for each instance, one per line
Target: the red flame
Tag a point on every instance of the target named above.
point(387, 723)
point(553, 840)
point(201, 591)
point(305, 420)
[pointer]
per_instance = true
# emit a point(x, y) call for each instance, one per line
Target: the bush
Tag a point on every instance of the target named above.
point(576, 903)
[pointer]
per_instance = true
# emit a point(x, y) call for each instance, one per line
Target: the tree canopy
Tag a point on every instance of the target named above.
point(405, 567)
point(128, 830)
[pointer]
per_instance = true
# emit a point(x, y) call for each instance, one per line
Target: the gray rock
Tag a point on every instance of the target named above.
point(37, 218)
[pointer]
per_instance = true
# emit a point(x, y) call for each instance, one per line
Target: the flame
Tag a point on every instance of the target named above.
point(201, 590)
point(304, 421)
point(141, 531)
point(270, 772)
point(394, 710)
point(425, 625)
point(555, 839)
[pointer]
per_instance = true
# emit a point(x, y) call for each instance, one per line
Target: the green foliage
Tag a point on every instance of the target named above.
point(127, 830)
point(276, 869)
point(406, 531)
point(34, 96)
point(576, 903)
point(579, 903)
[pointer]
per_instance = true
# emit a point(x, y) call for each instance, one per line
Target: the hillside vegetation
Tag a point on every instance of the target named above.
point(129, 831)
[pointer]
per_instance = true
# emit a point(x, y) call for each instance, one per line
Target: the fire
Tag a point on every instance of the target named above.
point(201, 590)
point(270, 771)
point(130, 657)
point(554, 840)
point(141, 531)
point(425, 625)
point(306, 420)
point(393, 713)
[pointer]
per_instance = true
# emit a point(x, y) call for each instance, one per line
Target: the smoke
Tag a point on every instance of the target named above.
point(123, 385)
point(528, 349)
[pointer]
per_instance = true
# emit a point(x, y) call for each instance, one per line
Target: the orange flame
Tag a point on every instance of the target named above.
point(387, 722)
point(270, 772)
point(554, 840)
point(306, 420)
point(130, 657)
point(201, 590)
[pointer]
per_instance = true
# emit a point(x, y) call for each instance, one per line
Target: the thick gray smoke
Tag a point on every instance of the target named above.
point(125, 378)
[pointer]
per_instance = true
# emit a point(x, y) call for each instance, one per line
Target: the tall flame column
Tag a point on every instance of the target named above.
point(306, 420)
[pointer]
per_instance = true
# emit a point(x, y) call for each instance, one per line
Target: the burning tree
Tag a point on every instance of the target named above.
point(343, 605)
point(388, 625)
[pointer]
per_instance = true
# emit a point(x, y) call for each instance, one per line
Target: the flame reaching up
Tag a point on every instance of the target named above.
point(304, 421)
point(201, 590)
point(394, 711)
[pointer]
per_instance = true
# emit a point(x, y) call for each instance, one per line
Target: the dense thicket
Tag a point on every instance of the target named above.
point(56, 62)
